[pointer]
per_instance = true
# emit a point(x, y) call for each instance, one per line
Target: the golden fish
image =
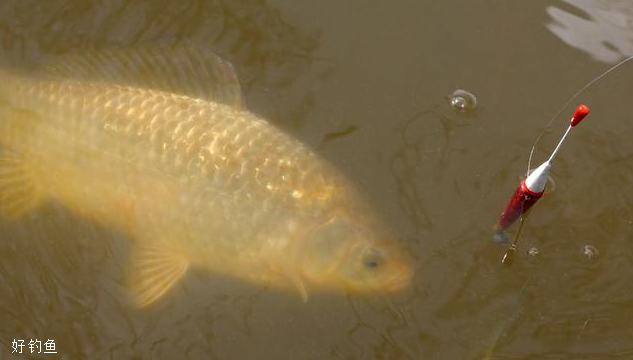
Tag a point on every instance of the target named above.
point(155, 143)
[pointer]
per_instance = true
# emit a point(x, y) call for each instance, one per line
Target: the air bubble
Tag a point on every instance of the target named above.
point(533, 252)
point(590, 252)
point(463, 100)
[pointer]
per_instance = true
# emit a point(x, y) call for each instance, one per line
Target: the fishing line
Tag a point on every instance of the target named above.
point(582, 89)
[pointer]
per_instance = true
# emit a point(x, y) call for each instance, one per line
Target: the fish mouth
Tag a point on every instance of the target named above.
point(402, 276)
point(399, 283)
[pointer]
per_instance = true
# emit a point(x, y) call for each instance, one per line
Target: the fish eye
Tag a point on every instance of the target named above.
point(372, 258)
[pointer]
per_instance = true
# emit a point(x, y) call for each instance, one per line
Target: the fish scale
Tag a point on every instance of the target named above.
point(150, 129)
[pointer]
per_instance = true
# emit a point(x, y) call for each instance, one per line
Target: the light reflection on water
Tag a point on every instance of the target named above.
point(440, 177)
point(603, 29)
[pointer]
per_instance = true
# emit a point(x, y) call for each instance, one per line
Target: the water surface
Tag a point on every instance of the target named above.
point(365, 83)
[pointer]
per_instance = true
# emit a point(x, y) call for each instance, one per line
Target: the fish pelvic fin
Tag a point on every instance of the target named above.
point(154, 270)
point(182, 68)
point(20, 192)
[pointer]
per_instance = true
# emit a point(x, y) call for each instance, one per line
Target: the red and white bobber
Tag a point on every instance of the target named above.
point(532, 188)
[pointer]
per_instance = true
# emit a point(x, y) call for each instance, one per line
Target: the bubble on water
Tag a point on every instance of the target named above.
point(590, 251)
point(463, 100)
point(533, 252)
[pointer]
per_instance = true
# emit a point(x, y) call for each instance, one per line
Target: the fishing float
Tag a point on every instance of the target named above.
point(531, 189)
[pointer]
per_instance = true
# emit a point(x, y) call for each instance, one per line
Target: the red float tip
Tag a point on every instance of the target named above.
point(580, 113)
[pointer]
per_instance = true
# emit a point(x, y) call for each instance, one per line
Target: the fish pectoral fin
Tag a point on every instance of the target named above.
point(183, 68)
point(291, 274)
point(298, 283)
point(154, 270)
point(19, 190)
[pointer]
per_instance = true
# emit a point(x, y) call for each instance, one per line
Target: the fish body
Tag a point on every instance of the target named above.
point(189, 174)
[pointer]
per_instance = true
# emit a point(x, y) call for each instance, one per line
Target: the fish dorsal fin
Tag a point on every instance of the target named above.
point(154, 270)
point(183, 68)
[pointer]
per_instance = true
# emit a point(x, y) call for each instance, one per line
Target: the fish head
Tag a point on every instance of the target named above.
point(347, 252)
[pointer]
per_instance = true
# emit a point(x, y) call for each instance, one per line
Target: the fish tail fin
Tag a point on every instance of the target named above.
point(19, 190)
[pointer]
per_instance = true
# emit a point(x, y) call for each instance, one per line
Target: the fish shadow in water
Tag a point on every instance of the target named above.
point(63, 275)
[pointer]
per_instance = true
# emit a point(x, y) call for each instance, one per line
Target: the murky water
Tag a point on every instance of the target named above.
point(366, 84)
